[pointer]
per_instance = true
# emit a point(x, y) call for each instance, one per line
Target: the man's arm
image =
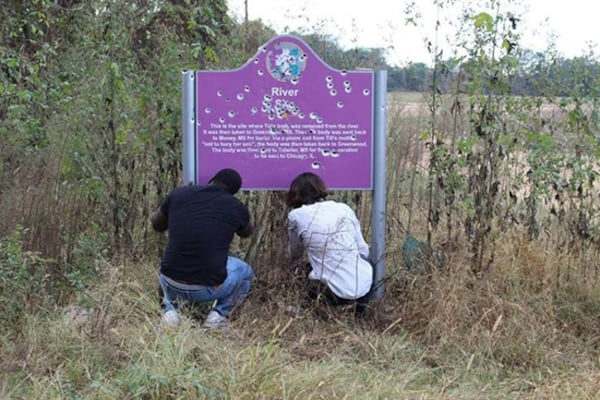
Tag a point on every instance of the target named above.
point(159, 221)
point(246, 231)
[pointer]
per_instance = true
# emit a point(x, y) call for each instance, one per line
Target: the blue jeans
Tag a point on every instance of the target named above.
point(230, 294)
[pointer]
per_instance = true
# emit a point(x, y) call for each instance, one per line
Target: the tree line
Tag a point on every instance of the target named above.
point(536, 69)
point(530, 77)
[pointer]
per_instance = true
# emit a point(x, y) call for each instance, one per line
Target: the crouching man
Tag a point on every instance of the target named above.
point(196, 266)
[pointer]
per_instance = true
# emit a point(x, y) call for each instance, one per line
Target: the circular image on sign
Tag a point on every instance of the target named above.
point(286, 62)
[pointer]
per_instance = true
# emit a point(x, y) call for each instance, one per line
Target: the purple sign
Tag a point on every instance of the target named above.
point(282, 113)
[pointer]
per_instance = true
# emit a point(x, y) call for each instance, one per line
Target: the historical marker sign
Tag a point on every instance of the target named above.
point(285, 112)
point(282, 113)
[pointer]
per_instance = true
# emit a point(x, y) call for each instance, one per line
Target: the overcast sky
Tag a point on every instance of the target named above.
point(571, 24)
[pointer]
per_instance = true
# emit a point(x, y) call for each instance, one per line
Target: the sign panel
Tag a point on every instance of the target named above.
point(283, 113)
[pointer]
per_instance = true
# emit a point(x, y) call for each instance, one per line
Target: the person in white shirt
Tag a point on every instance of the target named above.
point(329, 232)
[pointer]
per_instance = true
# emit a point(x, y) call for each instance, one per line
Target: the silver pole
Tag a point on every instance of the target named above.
point(188, 101)
point(379, 182)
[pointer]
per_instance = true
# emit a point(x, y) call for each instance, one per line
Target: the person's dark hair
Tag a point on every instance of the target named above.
point(227, 178)
point(306, 188)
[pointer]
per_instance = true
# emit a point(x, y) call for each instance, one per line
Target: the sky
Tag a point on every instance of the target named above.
point(571, 25)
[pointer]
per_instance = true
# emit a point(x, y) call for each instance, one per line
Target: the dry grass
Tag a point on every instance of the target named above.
point(442, 335)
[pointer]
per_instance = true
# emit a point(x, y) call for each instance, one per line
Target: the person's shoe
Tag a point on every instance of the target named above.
point(293, 310)
point(170, 318)
point(216, 320)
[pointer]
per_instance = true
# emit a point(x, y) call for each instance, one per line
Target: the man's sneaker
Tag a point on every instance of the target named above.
point(216, 320)
point(170, 318)
point(293, 310)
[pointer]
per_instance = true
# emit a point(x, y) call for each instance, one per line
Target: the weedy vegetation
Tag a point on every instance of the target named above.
point(492, 264)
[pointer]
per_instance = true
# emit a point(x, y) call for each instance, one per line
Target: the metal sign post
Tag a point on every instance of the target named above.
point(379, 189)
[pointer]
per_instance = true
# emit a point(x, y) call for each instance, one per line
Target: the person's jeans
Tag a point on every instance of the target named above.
point(230, 294)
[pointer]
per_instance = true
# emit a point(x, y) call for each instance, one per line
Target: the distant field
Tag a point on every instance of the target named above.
point(407, 97)
point(415, 104)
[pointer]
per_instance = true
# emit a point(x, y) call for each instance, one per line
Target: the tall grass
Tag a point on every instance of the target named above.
point(441, 336)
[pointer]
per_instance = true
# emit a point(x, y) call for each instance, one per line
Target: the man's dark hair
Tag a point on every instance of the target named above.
point(306, 188)
point(227, 178)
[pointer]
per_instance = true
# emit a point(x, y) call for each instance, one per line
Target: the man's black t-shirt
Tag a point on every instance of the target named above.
point(201, 222)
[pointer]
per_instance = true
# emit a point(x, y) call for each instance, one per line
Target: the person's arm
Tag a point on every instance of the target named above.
point(295, 245)
point(160, 217)
point(159, 221)
point(243, 218)
point(246, 230)
point(363, 248)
